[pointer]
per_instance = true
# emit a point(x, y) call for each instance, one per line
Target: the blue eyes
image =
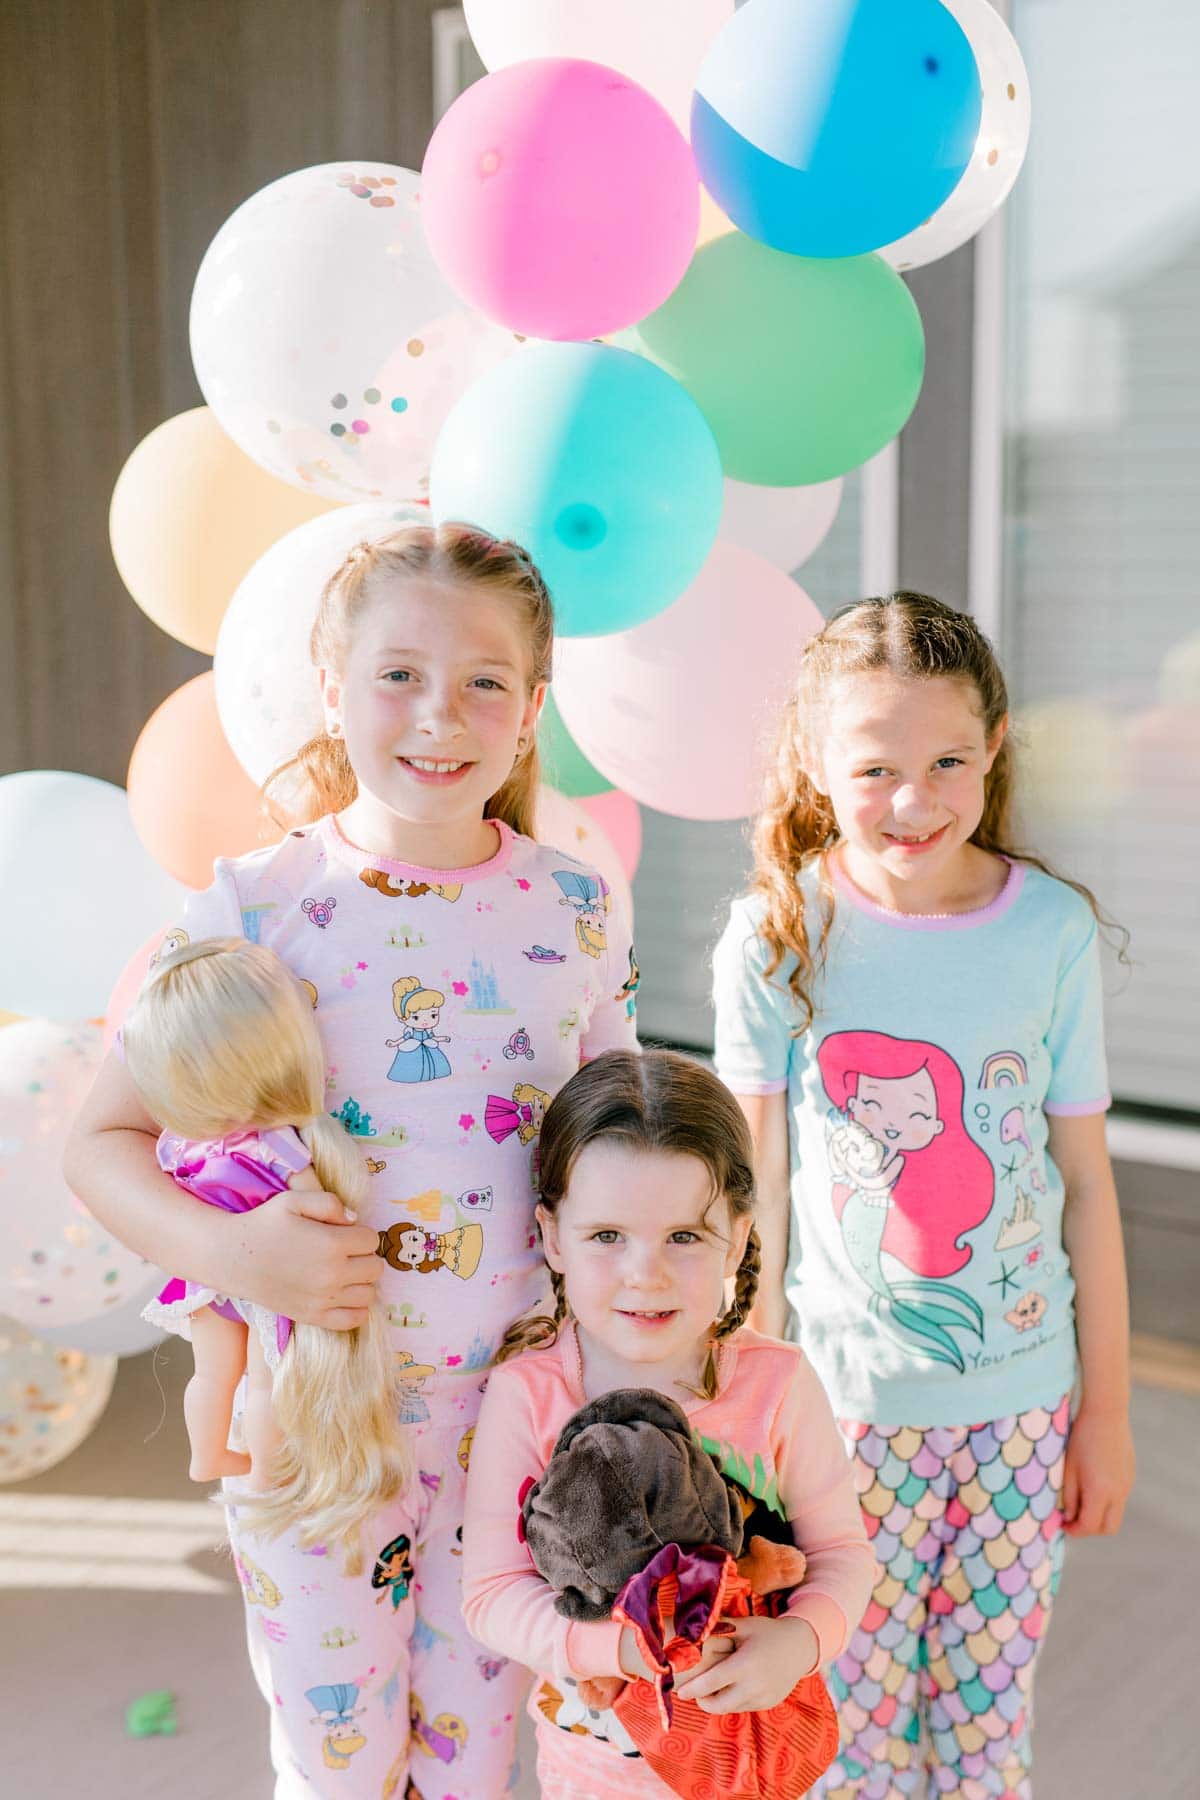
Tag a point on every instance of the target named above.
point(943, 762)
point(677, 1237)
point(397, 675)
point(403, 676)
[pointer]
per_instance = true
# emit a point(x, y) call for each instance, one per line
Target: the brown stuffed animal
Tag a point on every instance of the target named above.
point(627, 1477)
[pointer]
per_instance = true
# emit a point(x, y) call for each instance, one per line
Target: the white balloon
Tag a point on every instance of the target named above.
point(268, 696)
point(325, 338)
point(58, 1265)
point(999, 148)
point(50, 1399)
point(119, 1332)
point(660, 44)
point(563, 824)
point(80, 893)
point(784, 524)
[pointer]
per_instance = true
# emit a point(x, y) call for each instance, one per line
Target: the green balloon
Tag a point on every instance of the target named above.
point(803, 366)
point(564, 766)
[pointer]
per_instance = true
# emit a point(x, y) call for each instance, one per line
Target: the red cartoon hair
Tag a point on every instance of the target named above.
point(944, 1190)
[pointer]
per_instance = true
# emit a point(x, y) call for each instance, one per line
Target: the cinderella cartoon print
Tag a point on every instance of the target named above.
point(909, 1182)
point(590, 899)
point(419, 1056)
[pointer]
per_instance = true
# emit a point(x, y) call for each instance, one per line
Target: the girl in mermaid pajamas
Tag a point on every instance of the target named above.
point(434, 649)
point(908, 1010)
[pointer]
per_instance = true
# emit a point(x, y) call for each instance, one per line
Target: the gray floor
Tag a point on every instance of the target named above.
point(113, 1587)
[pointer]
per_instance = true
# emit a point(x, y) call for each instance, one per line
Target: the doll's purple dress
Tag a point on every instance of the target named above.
point(236, 1173)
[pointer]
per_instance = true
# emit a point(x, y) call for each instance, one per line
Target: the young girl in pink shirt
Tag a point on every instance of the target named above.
point(428, 929)
point(646, 1214)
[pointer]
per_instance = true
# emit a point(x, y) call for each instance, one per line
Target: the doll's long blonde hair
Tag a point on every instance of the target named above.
point(223, 1039)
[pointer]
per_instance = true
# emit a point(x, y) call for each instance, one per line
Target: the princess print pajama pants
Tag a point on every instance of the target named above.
point(935, 1689)
point(376, 1690)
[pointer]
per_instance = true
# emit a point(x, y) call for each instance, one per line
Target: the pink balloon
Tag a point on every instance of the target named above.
point(675, 711)
point(620, 819)
point(560, 199)
point(128, 982)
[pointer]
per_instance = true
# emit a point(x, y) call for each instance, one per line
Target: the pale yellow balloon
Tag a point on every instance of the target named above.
point(7, 1018)
point(713, 222)
point(190, 514)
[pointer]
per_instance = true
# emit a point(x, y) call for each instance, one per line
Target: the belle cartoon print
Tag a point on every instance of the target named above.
point(408, 1246)
point(908, 1182)
point(419, 1056)
point(590, 899)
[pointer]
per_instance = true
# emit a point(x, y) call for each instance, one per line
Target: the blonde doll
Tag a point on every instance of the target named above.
point(225, 1054)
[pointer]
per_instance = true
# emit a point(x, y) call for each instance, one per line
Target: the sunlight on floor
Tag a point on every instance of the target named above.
point(84, 1541)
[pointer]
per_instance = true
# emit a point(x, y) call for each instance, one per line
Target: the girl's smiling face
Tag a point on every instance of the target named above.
point(903, 762)
point(645, 1250)
point(901, 1112)
point(432, 701)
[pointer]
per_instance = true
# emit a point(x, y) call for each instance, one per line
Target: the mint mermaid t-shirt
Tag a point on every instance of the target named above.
point(927, 1266)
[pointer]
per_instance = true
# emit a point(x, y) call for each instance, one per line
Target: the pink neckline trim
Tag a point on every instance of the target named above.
point(571, 1360)
point(341, 847)
point(964, 921)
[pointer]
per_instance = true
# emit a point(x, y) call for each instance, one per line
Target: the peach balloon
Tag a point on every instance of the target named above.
point(127, 984)
point(620, 819)
point(189, 797)
point(190, 513)
point(713, 222)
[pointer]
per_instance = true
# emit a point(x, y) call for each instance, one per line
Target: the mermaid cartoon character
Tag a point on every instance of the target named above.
point(334, 1707)
point(590, 899)
point(908, 1180)
point(523, 1113)
point(408, 1246)
point(418, 1057)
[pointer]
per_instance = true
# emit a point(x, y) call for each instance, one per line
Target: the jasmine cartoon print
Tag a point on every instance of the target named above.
point(908, 1180)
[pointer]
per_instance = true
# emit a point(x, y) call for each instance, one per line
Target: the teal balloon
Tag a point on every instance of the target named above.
point(564, 766)
point(803, 366)
point(599, 464)
point(830, 127)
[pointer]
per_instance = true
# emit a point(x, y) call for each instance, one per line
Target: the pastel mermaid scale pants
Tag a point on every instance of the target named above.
point(934, 1691)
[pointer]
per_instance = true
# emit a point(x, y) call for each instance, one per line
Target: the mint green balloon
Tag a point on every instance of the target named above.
point(803, 366)
point(564, 766)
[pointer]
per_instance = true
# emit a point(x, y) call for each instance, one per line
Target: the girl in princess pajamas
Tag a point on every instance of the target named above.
point(909, 1012)
point(434, 652)
point(646, 1215)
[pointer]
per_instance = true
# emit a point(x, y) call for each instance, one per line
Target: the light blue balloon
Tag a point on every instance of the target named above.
point(599, 464)
point(830, 127)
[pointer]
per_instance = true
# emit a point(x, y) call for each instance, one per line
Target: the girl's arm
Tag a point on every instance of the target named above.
point(1099, 1461)
point(766, 1115)
point(506, 1603)
point(294, 1255)
point(817, 1489)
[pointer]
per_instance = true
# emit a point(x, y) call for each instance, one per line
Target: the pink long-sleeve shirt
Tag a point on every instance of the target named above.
point(772, 1431)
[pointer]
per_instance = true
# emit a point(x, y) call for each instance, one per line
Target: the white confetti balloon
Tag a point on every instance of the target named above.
point(660, 44)
point(268, 695)
point(999, 148)
point(50, 1399)
point(119, 1331)
point(325, 338)
point(80, 893)
point(58, 1265)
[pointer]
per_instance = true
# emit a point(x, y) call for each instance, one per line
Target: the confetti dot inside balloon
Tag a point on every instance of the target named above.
point(371, 396)
point(399, 405)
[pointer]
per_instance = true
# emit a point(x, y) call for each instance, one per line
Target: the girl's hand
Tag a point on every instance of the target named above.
point(301, 1256)
point(770, 1657)
point(630, 1657)
point(1098, 1473)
